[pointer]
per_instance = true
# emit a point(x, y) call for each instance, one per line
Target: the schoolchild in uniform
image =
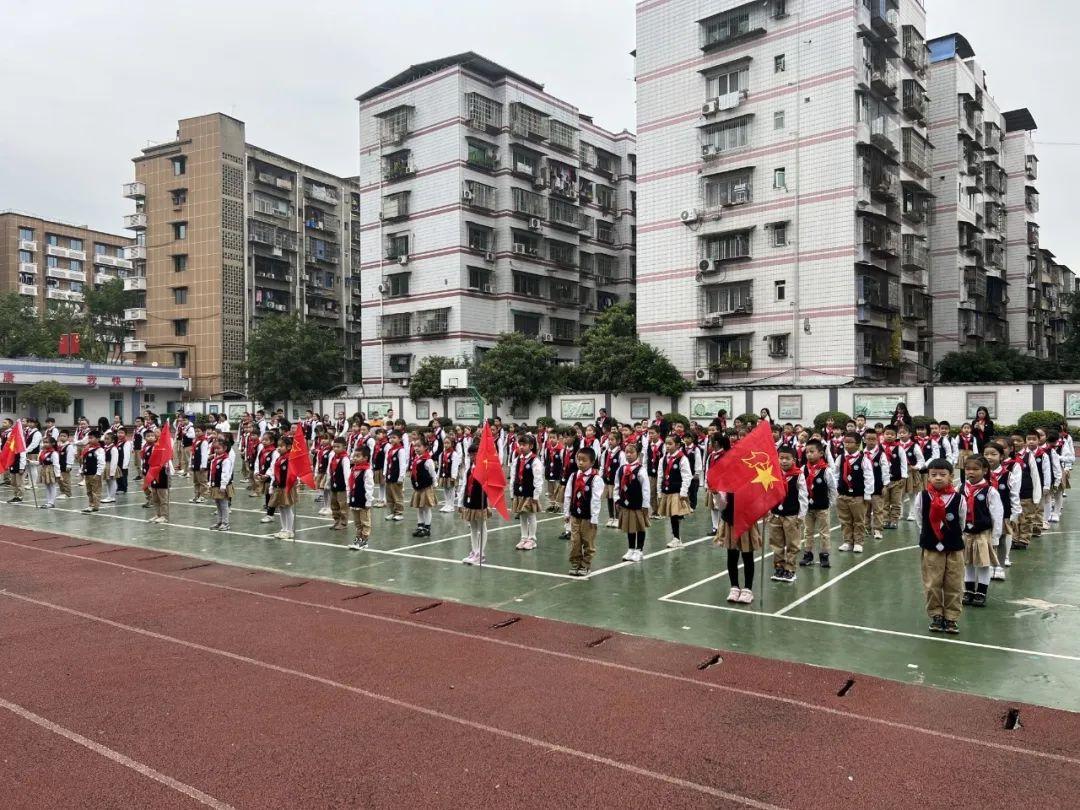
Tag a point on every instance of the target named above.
point(527, 485)
point(787, 520)
point(611, 459)
point(966, 445)
point(855, 489)
point(1052, 504)
point(361, 495)
point(423, 476)
point(740, 551)
point(380, 445)
point(982, 528)
point(693, 457)
point(264, 460)
point(111, 472)
point(200, 463)
point(1006, 477)
point(1031, 488)
point(321, 452)
point(337, 483)
point(880, 466)
point(949, 445)
point(473, 507)
point(820, 479)
point(581, 506)
point(553, 471)
point(449, 465)
point(1036, 441)
point(157, 488)
point(913, 455)
point(896, 459)
point(569, 454)
point(93, 467)
point(394, 469)
point(653, 452)
point(282, 496)
point(674, 478)
point(125, 451)
point(219, 477)
point(49, 459)
point(940, 513)
point(185, 431)
point(719, 444)
point(1066, 451)
point(632, 497)
point(69, 455)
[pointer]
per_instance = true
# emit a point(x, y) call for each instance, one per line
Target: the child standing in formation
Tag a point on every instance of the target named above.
point(282, 496)
point(379, 445)
point(422, 475)
point(93, 467)
point(337, 483)
point(982, 528)
point(361, 495)
point(820, 480)
point(939, 516)
point(581, 507)
point(69, 455)
point(1052, 463)
point(473, 506)
point(787, 519)
point(526, 484)
point(855, 489)
point(611, 459)
point(876, 456)
point(1031, 488)
point(110, 474)
point(674, 483)
point(632, 496)
point(49, 459)
point(912, 450)
point(553, 471)
point(569, 454)
point(449, 464)
point(654, 451)
point(1005, 477)
point(740, 551)
point(158, 487)
point(220, 482)
point(896, 459)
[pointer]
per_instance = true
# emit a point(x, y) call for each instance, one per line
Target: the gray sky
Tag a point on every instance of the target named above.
point(97, 81)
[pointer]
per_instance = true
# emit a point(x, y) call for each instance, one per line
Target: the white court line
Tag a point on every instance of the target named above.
point(648, 556)
point(693, 585)
point(465, 536)
point(115, 756)
point(144, 521)
point(458, 562)
point(833, 580)
point(535, 742)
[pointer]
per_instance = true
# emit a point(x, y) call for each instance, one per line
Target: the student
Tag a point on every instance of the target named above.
point(49, 459)
point(322, 452)
point(654, 451)
point(820, 480)
point(93, 467)
point(693, 458)
point(158, 489)
point(337, 483)
point(1031, 487)
point(69, 455)
point(787, 519)
point(473, 507)
point(423, 475)
point(264, 459)
point(949, 446)
point(553, 471)
point(742, 547)
point(569, 465)
point(527, 485)
point(1005, 477)
point(966, 445)
point(110, 474)
point(611, 459)
point(185, 431)
point(876, 455)
point(361, 495)
point(581, 506)
point(982, 528)
point(282, 496)
point(1036, 441)
point(199, 464)
point(1056, 491)
point(632, 497)
point(397, 462)
point(719, 444)
point(220, 482)
point(940, 514)
point(913, 456)
point(449, 464)
point(674, 482)
point(855, 489)
point(892, 495)
point(380, 444)
point(32, 436)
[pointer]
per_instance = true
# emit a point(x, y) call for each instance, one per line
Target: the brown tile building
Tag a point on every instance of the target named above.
point(227, 233)
point(50, 263)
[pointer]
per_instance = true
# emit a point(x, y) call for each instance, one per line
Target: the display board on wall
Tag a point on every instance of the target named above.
point(378, 409)
point(981, 399)
point(423, 409)
point(789, 407)
point(236, 411)
point(1072, 404)
point(707, 407)
point(639, 408)
point(575, 410)
point(466, 410)
point(877, 406)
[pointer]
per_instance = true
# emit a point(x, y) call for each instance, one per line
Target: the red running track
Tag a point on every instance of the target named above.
point(141, 679)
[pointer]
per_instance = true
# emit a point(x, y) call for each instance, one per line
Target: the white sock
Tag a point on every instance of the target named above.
point(530, 520)
point(983, 574)
point(969, 573)
point(425, 516)
point(474, 535)
point(715, 517)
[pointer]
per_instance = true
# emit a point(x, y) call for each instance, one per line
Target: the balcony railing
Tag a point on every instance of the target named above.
point(883, 135)
point(134, 346)
point(135, 253)
point(134, 283)
point(63, 295)
point(28, 244)
point(27, 267)
point(323, 193)
point(135, 314)
point(135, 191)
point(70, 275)
point(135, 222)
point(65, 253)
point(1031, 201)
point(111, 261)
point(884, 79)
point(322, 222)
point(1031, 167)
point(28, 289)
point(270, 179)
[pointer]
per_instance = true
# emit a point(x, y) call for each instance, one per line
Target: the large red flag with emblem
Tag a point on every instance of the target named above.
point(15, 444)
point(751, 471)
point(299, 462)
point(159, 456)
point(489, 472)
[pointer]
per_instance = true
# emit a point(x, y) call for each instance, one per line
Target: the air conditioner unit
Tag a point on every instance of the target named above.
point(547, 337)
point(403, 258)
point(709, 149)
point(489, 256)
point(713, 320)
point(707, 266)
point(702, 373)
point(711, 106)
point(467, 195)
point(689, 215)
point(534, 223)
point(277, 251)
point(384, 288)
point(520, 248)
point(485, 288)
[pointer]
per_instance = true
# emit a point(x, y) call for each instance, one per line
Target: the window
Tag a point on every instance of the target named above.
point(394, 124)
point(75, 265)
point(779, 178)
point(397, 245)
point(606, 267)
point(778, 345)
point(778, 119)
point(779, 63)
point(527, 202)
point(564, 136)
point(179, 166)
point(527, 324)
point(179, 196)
point(75, 244)
point(732, 188)
point(433, 321)
point(395, 205)
point(562, 253)
point(479, 195)
point(729, 299)
point(400, 363)
point(99, 249)
point(25, 235)
point(179, 230)
point(563, 329)
point(605, 197)
point(7, 401)
point(780, 290)
point(563, 213)
point(52, 239)
point(722, 247)
point(397, 285)
point(480, 238)
point(180, 327)
point(527, 122)
point(51, 261)
point(526, 162)
point(179, 359)
point(483, 113)
point(527, 284)
point(605, 232)
point(179, 295)
point(480, 278)
point(483, 154)
point(724, 27)
point(179, 263)
point(730, 80)
point(605, 300)
point(726, 136)
point(397, 325)
point(779, 234)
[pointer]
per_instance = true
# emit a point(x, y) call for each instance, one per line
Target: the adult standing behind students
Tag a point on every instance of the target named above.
point(901, 416)
point(660, 424)
point(603, 422)
point(982, 427)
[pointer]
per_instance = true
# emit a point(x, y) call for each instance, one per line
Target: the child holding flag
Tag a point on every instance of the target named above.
point(157, 472)
point(13, 457)
point(282, 496)
point(473, 506)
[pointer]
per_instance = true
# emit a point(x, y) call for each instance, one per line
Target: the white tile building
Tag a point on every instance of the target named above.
point(487, 206)
point(783, 168)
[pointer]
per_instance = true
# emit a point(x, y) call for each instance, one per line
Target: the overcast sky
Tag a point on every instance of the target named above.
point(88, 84)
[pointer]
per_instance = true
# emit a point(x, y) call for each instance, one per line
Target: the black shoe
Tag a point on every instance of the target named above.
point(937, 624)
point(15, 500)
point(807, 559)
point(951, 627)
point(824, 557)
point(419, 532)
point(789, 577)
point(575, 571)
point(426, 531)
point(968, 598)
point(978, 600)
point(777, 575)
point(146, 506)
point(564, 536)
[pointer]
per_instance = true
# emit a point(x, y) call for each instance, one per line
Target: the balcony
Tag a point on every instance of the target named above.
point(731, 28)
point(65, 253)
point(112, 261)
point(27, 244)
point(63, 295)
point(884, 187)
point(28, 289)
point(134, 283)
point(27, 267)
point(103, 278)
point(1031, 201)
point(883, 135)
point(135, 253)
point(135, 314)
point(271, 179)
point(135, 222)
point(135, 191)
point(69, 275)
point(322, 222)
point(884, 79)
point(1031, 167)
point(884, 20)
point(133, 346)
point(324, 194)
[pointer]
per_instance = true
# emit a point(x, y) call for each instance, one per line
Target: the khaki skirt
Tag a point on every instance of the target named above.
point(978, 551)
point(447, 483)
point(469, 515)
point(633, 520)
point(671, 505)
point(227, 495)
point(609, 490)
point(525, 505)
point(378, 477)
point(281, 497)
point(750, 540)
point(423, 498)
point(48, 476)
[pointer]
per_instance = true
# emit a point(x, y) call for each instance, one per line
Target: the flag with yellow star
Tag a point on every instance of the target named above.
point(488, 471)
point(750, 473)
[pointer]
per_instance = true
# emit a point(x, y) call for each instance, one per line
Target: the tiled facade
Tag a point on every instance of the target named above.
point(783, 172)
point(226, 233)
point(51, 263)
point(487, 206)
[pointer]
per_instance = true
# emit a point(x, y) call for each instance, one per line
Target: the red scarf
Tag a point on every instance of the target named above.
point(813, 469)
point(669, 462)
point(1003, 470)
point(655, 451)
point(939, 499)
point(522, 461)
point(970, 491)
point(335, 462)
point(845, 467)
point(965, 442)
point(264, 454)
point(281, 466)
point(583, 481)
point(88, 450)
point(215, 464)
point(358, 471)
point(417, 460)
point(611, 460)
point(628, 474)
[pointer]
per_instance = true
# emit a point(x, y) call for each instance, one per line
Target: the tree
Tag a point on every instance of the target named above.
point(22, 333)
point(426, 382)
point(288, 359)
point(104, 327)
point(995, 364)
point(47, 395)
point(614, 359)
point(518, 369)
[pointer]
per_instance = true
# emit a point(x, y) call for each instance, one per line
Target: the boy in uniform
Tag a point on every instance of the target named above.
point(820, 481)
point(786, 521)
point(939, 516)
point(581, 507)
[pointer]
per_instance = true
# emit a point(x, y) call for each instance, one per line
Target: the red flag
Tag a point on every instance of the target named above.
point(64, 346)
point(160, 456)
point(488, 471)
point(752, 470)
point(299, 462)
point(15, 444)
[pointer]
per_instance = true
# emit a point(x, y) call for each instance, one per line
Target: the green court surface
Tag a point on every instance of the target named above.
point(864, 615)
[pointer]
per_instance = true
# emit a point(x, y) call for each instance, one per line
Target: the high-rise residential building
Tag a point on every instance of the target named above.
point(784, 169)
point(969, 254)
point(227, 233)
point(487, 206)
point(51, 263)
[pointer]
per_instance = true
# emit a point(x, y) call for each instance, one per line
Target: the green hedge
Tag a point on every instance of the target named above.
point(840, 419)
point(1047, 420)
point(546, 422)
point(749, 419)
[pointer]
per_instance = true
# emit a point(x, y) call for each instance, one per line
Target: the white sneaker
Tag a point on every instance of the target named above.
point(398, 517)
point(674, 542)
point(733, 595)
point(639, 555)
point(290, 536)
point(266, 519)
point(878, 535)
point(746, 596)
point(528, 545)
point(857, 548)
point(998, 573)
point(1055, 518)
point(628, 556)
point(1008, 563)
point(61, 497)
point(389, 516)
point(471, 559)
point(910, 518)
point(325, 510)
point(847, 547)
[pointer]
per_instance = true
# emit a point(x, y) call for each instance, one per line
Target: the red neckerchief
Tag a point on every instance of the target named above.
point(655, 451)
point(845, 466)
point(970, 491)
point(583, 480)
point(88, 450)
point(215, 464)
point(714, 457)
point(1041, 451)
point(447, 457)
point(265, 452)
point(379, 445)
point(812, 471)
point(793, 473)
point(567, 456)
point(887, 448)
point(1003, 470)
point(671, 461)
point(281, 465)
point(939, 499)
point(521, 462)
point(966, 442)
point(80, 433)
point(417, 460)
point(335, 462)
point(628, 473)
point(46, 457)
point(611, 457)
point(870, 454)
point(357, 471)
point(921, 441)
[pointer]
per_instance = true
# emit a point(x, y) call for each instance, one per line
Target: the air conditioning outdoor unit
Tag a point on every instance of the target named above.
point(711, 106)
point(707, 266)
point(534, 223)
point(689, 215)
point(467, 195)
point(489, 256)
point(547, 337)
point(277, 251)
point(485, 288)
point(520, 248)
point(714, 320)
point(702, 373)
point(384, 288)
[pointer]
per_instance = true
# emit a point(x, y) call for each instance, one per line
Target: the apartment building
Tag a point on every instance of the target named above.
point(51, 263)
point(228, 233)
point(784, 169)
point(487, 206)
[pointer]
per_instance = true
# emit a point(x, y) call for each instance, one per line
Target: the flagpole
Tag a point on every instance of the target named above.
point(761, 574)
point(33, 489)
